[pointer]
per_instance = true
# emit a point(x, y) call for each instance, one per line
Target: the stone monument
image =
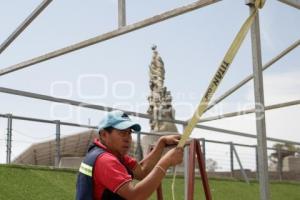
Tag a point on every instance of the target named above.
point(160, 102)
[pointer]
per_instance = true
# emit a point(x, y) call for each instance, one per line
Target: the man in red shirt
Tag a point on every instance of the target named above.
point(107, 171)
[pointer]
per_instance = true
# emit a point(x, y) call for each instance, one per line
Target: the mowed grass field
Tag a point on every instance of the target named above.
point(30, 183)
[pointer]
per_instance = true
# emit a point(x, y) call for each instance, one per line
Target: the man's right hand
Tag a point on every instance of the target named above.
point(174, 156)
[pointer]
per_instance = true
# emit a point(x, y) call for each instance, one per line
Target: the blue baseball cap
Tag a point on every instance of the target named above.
point(118, 120)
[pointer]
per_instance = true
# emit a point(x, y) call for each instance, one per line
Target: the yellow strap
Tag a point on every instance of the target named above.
point(259, 3)
point(215, 82)
point(217, 78)
point(86, 169)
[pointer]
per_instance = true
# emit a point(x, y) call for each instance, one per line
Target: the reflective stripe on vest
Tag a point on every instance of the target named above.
point(86, 169)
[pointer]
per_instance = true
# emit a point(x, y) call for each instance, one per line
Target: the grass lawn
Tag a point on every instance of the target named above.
point(232, 190)
point(36, 184)
point(30, 183)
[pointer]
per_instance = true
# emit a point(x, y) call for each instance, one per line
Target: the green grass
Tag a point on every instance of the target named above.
point(30, 183)
point(18, 182)
point(232, 190)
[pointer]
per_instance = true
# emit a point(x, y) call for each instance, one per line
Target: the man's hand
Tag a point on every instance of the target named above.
point(173, 157)
point(170, 139)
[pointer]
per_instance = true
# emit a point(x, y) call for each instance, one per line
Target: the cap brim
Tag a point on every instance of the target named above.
point(127, 124)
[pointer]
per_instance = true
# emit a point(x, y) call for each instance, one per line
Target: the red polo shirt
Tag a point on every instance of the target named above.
point(109, 172)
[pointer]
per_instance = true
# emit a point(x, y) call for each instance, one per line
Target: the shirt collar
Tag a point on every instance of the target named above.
point(102, 146)
point(99, 144)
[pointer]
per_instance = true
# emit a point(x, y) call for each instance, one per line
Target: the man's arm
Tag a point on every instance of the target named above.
point(148, 185)
point(146, 165)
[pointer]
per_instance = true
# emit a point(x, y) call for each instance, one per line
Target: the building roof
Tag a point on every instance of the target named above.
point(44, 153)
point(75, 145)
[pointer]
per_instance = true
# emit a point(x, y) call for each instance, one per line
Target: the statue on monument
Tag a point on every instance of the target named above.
point(160, 101)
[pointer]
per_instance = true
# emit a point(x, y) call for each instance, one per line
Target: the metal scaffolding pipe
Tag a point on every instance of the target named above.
point(146, 116)
point(48, 121)
point(259, 106)
point(240, 164)
point(250, 77)
point(106, 36)
point(249, 111)
point(80, 104)
point(121, 13)
point(57, 144)
point(227, 143)
point(241, 134)
point(24, 24)
point(8, 138)
point(67, 101)
point(294, 3)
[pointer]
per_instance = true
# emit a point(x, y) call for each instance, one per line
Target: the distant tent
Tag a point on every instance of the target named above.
point(73, 148)
point(44, 153)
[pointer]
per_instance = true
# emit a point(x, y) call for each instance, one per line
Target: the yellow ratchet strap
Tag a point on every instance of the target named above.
point(219, 75)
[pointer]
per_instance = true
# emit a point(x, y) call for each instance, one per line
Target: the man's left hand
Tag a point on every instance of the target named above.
point(171, 139)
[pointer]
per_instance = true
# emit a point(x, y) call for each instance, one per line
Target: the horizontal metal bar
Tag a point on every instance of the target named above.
point(47, 121)
point(166, 133)
point(227, 143)
point(294, 3)
point(156, 134)
point(249, 111)
point(242, 134)
point(213, 141)
point(146, 116)
point(78, 103)
point(64, 101)
point(198, 126)
point(109, 35)
point(24, 24)
point(250, 77)
point(244, 145)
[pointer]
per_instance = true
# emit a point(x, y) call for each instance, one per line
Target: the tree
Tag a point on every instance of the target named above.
point(211, 165)
point(286, 149)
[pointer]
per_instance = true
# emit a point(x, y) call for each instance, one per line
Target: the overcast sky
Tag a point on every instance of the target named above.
point(115, 72)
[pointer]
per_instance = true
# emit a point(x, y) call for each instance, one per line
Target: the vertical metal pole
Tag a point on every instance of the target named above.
point(259, 107)
point(231, 160)
point(57, 149)
point(256, 158)
point(35, 157)
point(8, 138)
point(204, 151)
point(186, 168)
point(121, 13)
point(139, 150)
point(191, 175)
point(89, 121)
point(202, 170)
point(279, 163)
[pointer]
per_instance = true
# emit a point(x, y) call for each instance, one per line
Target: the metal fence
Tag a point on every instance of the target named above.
point(226, 159)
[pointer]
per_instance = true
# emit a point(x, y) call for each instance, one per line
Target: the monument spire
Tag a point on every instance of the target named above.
point(160, 102)
point(160, 99)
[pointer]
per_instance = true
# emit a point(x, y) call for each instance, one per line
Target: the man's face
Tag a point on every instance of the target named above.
point(118, 141)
